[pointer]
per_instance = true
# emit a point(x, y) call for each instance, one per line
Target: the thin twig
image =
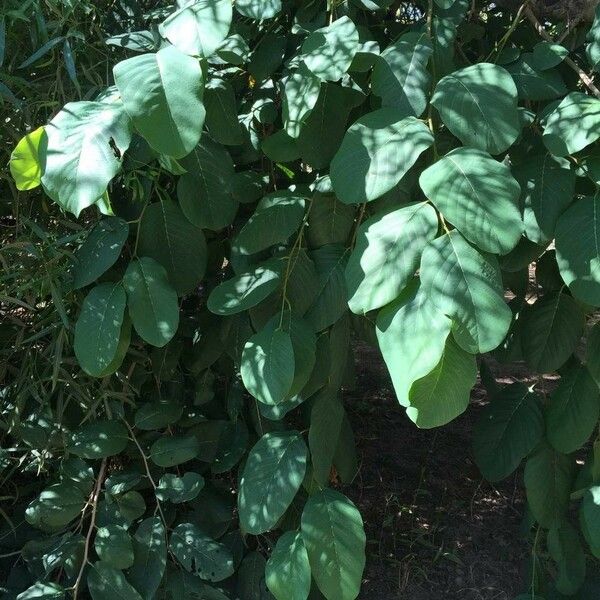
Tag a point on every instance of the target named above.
point(88, 537)
point(585, 78)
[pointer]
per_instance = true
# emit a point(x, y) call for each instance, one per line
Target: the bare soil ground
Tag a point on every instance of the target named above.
point(435, 529)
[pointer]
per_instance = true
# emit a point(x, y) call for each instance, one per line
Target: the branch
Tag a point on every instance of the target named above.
point(88, 537)
point(585, 78)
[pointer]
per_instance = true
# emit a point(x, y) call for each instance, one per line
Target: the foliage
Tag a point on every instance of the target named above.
point(251, 187)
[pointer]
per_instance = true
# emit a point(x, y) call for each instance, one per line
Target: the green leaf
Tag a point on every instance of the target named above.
point(198, 28)
point(246, 290)
point(547, 188)
point(277, 216)
point(152, 302)
point(267, 366)
point(509, 427)
point(166, 236)
point(332, 530)
point(331, 300)
point(251, 583)
point(199, 554)
point(573, 410)
point(592, 353)
point(221, 113)
point(589, 517)
point(326, 418)
point(578, 249)
point(300, 94)
point(288, 570)
point(443, 394)
point(573, 125)
point(412, 335)
point(205, 193)
point(100, 251)
point(80, 157)
point(329, 221)
point(179, 489)
point(466, 285)
point(174, 450)
point(272, 475)
point(55, 507)
point(234, 50)
point(566, 550)
point(551, 330)
point(28, 160)
point(377, 151)
point(157, 415)
point(162, 93)
point(387, 253)
point(547, 55)
point(150, 557)
point(478, 104)
point(98, 327)
point(106, 583)
point(478, 195)
point(99, 439)
point(265, 9)
point(548, 480)
point(400, 76)
point(328, 52)
point(280, 147)
point(42, 591)
point(535, 85)
point(592, 50)
point(113, 546)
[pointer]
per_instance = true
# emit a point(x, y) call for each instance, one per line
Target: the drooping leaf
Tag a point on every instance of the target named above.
point(199, 554)
point(199, 27)
point(572, 413)
point(28, 160)
point(326, 418)
point(43, 591)
point(107, 583)
point(332, 531)
point(272, 475)
point(277, 216)
point(288, 570)
point(478, 104)
point(166, 236)
point(328, 52)
point(578, 249)
point(589, 517)
point(551, 331)
point(152, 302)
point(80, 160)
point(400, 76)
point(510, 426)
point(267, 366)
point(566, 551)
point(548, 480)
point(478, 195)
point(221, 113)
point(172, 450)
point(573, 124)
point(100, 250)
point(113, 546)
point(443, 394)
point(205, 193)
point(376, 153)
point(162, 93)
point(386, 255)
point(329, 221)
point(300, 94)
point(412, 335)
point(99, 439)
point(466, 285)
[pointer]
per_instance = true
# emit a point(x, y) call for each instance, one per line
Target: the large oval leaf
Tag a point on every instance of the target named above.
point(478, 195)
point(99, 439)
point(466, 285)
point(272, 475)
point(107, 583)
point(171, 240)
point(198, 28)
point(98, 328)
point(478, 104)
point(81, 158)
point(162, 93)
point(300, 94)
point(265, 9)
point(152, 302)
point(387, 253)
point(28, 159)
point(174, 450)
point(332, 530)
point(288, 570)
point(376, 153)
